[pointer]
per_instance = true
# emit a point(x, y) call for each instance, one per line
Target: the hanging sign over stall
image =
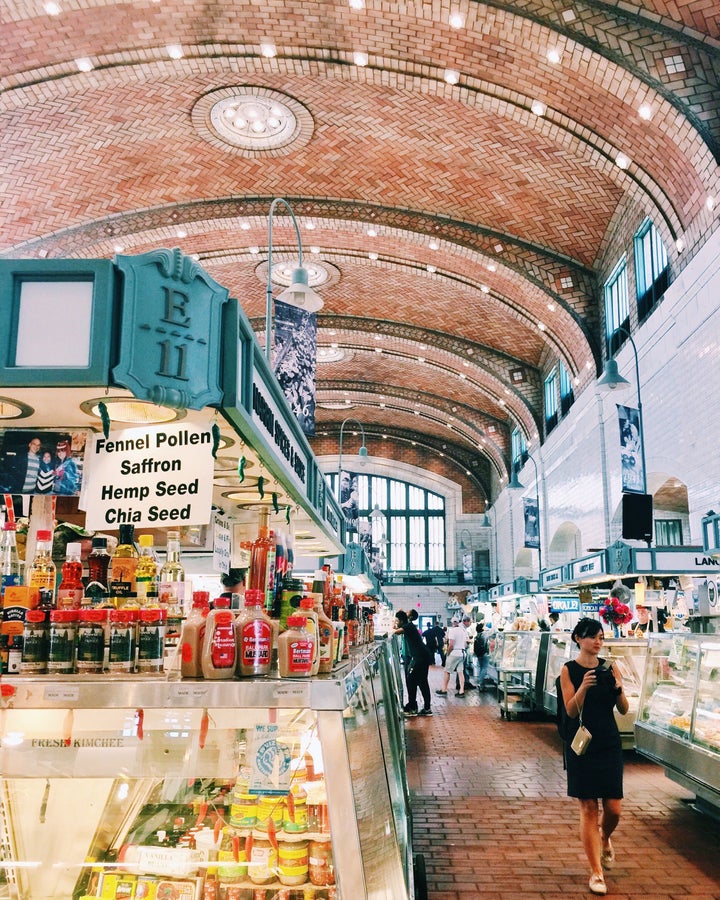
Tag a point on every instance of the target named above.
point(149, 477)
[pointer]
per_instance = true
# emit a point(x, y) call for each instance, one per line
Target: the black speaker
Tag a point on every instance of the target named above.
point(637, 517)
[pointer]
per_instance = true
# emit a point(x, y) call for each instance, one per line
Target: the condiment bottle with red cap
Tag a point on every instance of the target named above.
point(193, 635)
point(254, 636)
point(296, 649)
point(219, 653)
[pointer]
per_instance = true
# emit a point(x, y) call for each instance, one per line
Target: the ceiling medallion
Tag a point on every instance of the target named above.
point(252, 121)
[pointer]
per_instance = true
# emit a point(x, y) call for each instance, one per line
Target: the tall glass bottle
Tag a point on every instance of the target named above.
point(123, 564)
point(70, 590)
point(262, 559)
point(173, 569)
point(42, 572)
point(98, 586)
point(9, 560)
point(146, 574)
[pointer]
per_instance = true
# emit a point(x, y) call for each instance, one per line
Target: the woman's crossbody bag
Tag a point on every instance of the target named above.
point(581, 741)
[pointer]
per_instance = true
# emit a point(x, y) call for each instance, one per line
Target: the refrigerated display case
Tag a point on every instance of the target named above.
point(521, 658)
point(679, 721)
point(205, 790)
point(627, 653)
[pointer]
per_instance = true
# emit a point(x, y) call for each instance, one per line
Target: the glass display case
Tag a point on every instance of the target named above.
point(679, 720)
point(627, 653)
point(520, 660)
point(205, 790)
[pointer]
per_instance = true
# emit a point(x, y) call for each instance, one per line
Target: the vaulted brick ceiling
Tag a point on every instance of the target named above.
point(461, 230)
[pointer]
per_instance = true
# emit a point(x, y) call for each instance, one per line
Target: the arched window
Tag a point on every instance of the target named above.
point(409, 535)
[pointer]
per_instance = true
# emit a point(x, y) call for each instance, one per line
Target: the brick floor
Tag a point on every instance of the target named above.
point(492, 819)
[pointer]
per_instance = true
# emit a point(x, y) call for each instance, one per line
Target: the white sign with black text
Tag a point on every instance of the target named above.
point(149, 477)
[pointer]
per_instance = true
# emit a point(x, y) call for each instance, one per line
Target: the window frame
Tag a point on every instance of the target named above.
point(649, 251)
point(617, 306)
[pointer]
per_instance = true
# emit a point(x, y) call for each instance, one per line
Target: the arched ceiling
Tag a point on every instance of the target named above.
point(462, 218)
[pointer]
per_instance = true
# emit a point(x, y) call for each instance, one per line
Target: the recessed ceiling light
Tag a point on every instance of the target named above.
point(710, 203)
point(492, 267)
point(373, 255)
point(310, 226)
point(175, 51)
point(360, 58)
point(245, 226)
point(485, 289)
point(372, 232)
point(254, 250)
point(421, 359)
point(181, 233)
point(622, 161)
point(357, 4)
point(118, 248)
point(538, 108)
point(551, 306)
point(433, 245)
point(52, 9)
point(378, 350)
point(679, 245)
point(452, 76)
point(431, 269)
point(457, 19)
point(553, 55)
point(541, 326)
point(84, 64)
point(645, 112)
point(462, 375)
point(268, 49)
point(314, 249)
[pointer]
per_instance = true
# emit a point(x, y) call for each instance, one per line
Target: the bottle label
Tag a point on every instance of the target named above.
point(256, 643)
point(61, 653)
point(122, 575)
point(222, 648)
point(10, 581)
point(300, 657)
point(326, 641)
point(69, 598)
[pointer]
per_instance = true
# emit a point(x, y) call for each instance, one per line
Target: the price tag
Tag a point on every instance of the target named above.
point(64, 693)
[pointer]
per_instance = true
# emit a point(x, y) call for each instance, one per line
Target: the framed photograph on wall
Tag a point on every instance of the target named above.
point(42, 461)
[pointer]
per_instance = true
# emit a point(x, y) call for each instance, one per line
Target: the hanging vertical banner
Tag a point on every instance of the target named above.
point(633, 475)
point(294, 361)
point(532, 523)
point(349, 499)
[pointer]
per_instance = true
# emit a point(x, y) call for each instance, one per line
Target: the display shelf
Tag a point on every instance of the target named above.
point(150, 779)
point(515, 691)
point(678, 724)
point(524, 650)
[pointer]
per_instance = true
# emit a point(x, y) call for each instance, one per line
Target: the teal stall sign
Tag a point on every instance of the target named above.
point(170, 335)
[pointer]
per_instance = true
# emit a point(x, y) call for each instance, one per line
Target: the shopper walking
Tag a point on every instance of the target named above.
point(457, 638)
point(591, 689)
point(416, 663)
point(480, 649)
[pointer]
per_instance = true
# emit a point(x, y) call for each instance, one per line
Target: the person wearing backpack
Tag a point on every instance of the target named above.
point(591, 689)
point(480, 649)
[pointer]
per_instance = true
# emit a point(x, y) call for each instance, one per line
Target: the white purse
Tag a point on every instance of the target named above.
point(581, 741)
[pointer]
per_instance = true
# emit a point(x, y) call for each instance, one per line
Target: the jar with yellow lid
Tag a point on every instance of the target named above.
point(262, 859)
point(293, 862)
point(270, 809)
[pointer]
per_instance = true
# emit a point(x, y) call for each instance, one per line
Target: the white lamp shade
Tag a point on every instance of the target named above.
point(300, 294)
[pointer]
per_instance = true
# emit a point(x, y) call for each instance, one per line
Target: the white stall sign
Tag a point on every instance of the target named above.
point(149, 477)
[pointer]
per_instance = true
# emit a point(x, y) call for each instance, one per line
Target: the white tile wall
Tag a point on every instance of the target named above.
point(580, 477)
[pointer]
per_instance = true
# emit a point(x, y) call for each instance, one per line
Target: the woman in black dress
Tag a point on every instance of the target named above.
point(593, 688)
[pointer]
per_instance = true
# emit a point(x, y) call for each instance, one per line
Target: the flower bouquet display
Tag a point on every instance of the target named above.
point(615, 613)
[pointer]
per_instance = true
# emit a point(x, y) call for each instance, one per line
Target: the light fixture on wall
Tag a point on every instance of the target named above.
point(612, 380)
point(299, 293)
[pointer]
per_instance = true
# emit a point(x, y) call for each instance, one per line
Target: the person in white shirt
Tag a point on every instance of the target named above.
point(457, 639)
